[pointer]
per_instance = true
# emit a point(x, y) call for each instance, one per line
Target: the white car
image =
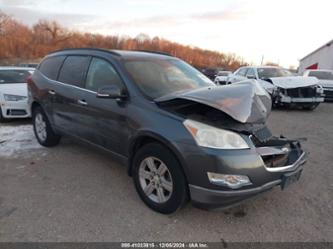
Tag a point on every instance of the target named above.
point(285, 88)
point(14, 93)
point(221, 77)
point(325, 78)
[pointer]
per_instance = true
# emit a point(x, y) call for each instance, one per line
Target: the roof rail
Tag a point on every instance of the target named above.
point(88, 48)
point(154, 52)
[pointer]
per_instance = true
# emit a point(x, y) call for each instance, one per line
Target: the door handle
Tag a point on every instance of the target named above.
point(82, 102)
point(52, 92)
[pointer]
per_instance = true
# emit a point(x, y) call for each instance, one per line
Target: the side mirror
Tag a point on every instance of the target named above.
point(253, 77)
point(111, 92)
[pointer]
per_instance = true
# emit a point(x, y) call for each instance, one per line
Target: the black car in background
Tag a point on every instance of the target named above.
point(181, 137)
point(211, 73)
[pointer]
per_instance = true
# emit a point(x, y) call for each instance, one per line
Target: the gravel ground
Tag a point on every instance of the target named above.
point(77, 193)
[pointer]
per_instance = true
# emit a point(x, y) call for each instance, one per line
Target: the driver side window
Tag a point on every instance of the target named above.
point(250, 73)
point(241, 72)
point(101, 73)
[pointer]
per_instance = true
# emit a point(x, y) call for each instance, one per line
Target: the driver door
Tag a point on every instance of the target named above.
point(106, 118)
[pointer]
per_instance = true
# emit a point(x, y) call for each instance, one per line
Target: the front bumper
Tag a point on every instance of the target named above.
point(328, 91)
point(15, 109)
point(212, 199)
point(289, 100)
point(266, 164)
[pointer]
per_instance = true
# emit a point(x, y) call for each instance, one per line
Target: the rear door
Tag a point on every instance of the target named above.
point(46, 76)
point(106, 119)
point(69, 95)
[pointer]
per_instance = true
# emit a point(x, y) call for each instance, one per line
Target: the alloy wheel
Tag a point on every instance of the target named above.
point(40, 126)
point(155, 180)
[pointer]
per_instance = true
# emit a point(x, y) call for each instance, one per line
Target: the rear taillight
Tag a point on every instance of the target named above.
point(29, 80)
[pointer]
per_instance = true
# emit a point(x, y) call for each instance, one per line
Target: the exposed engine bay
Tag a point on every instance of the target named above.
point(244, 111)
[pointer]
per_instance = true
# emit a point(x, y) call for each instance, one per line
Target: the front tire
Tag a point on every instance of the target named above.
point(159, 179)
point(43, 129)
point(310, 107)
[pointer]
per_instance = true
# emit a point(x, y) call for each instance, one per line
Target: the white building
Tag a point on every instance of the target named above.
point(321, 58)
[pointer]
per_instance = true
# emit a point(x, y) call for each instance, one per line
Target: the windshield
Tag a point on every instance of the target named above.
point(271, 72)
point(14, 76)
point(156, 77)
point(322, 75)
point(223, 73)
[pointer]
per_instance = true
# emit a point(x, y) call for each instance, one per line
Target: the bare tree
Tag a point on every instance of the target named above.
point(4, 19)
point(20, 41)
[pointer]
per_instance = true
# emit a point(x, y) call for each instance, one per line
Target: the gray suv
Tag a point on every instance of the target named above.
point(181, 137)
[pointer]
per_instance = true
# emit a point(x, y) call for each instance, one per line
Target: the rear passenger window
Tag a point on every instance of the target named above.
point(73, 70)
point(101, 73)
point(50, 66)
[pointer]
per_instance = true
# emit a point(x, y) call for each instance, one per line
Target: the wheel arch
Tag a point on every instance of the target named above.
point(144, 138)
point(34, 104)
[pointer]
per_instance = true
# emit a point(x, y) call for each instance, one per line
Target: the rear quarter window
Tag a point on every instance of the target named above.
point(73, 70)
point(50, 66)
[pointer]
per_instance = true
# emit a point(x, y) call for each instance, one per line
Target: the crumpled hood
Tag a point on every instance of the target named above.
point(20, 89)
point(294, 81)
point(246, 101)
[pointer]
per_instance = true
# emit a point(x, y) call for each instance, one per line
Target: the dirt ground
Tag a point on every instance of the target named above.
point(74, 192)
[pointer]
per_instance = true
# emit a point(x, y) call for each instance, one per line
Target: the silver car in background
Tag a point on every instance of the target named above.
point(325, 78)
point(222, 77)
point(285, 88)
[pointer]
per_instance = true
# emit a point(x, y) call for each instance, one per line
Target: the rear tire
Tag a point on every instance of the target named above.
point(164, 193)
point(43, 129)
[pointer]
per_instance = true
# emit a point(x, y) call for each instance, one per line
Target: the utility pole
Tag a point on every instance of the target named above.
point(262, 60)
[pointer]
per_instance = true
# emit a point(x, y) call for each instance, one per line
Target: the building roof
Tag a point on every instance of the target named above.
point(325, 45)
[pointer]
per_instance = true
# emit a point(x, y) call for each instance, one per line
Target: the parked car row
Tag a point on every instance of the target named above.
point(285, 88)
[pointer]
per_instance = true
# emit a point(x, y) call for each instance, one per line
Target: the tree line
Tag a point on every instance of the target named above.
point(19, 42)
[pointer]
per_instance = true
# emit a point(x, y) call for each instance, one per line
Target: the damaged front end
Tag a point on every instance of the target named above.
point(242, 108)
point(287, 92)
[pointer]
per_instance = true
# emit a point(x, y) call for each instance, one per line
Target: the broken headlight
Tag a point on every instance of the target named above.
point(212, 137)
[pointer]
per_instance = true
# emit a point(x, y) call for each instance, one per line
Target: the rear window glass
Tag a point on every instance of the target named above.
point(223, 74)
point(13, 76)
point(322, 75)
point(50, 66)
point(74, 70)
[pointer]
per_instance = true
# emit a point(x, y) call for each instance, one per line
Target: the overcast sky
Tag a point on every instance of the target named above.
point(283, 30)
